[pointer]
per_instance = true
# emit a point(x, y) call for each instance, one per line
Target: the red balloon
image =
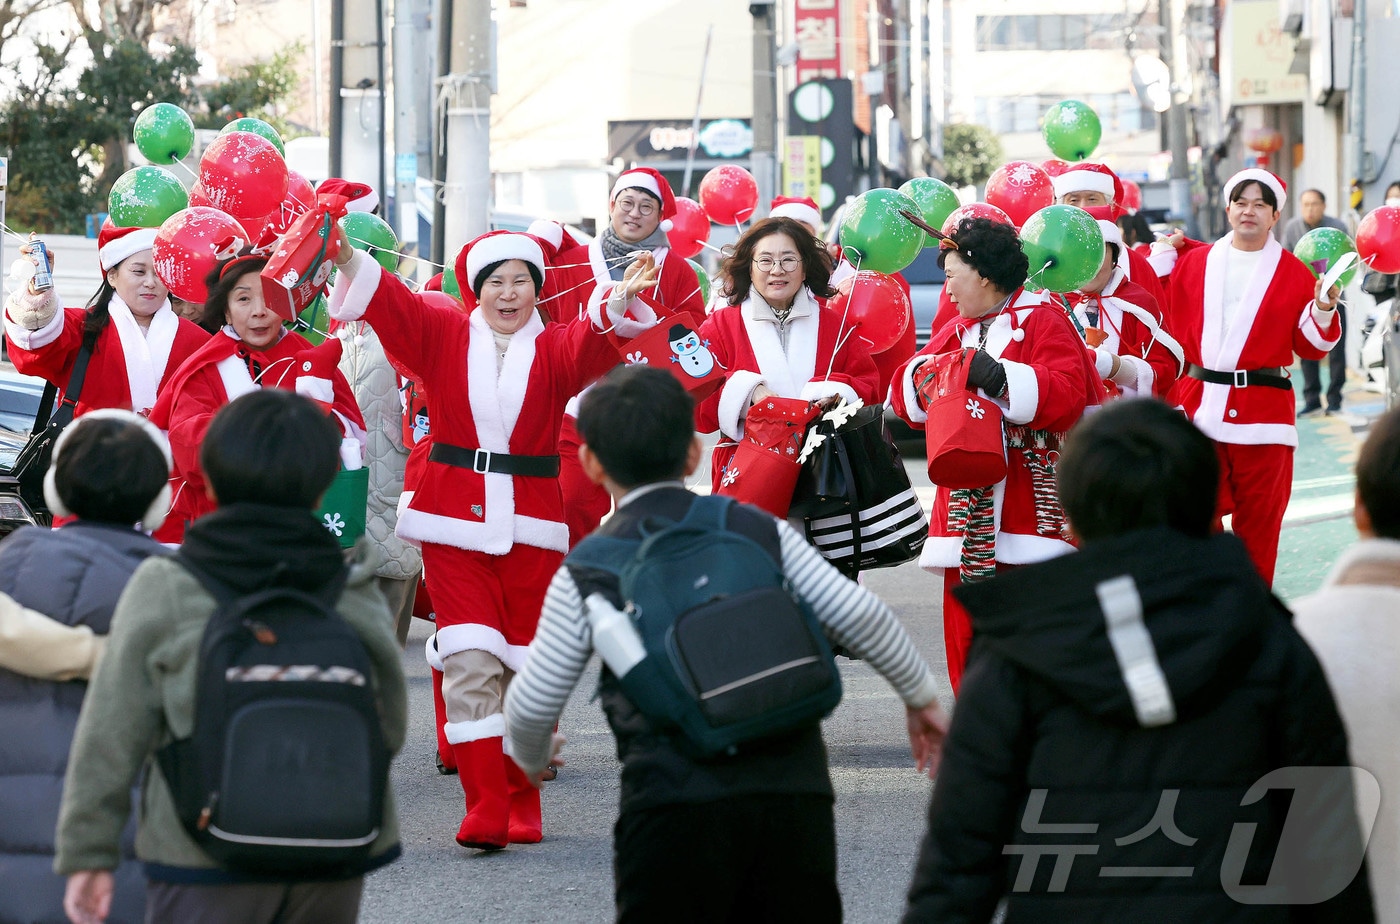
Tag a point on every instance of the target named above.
point(198, 195)
point(728, 194)
point(1132, 196)
point(1378, 239)
point(975, 210)
point(243, 175)
point(690, 229)
point(1020, 189)
point(439, 299)
point(876, 305)
point(300, 196)
point(188, 246)
point(1054, 166)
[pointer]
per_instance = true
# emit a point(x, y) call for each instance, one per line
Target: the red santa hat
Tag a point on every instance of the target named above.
point(434, 284)
point(315, 372)
point(116, 244)
point(1089, 178)
point(649, 180)
point(362, 196)
point(798, 208)
point(154, 515)
point(553, 235)
point(493, 247)
point(1256, 175)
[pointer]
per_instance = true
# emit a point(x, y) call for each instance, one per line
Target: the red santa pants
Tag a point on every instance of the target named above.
point(957, 625)
point(1255, 484)
point(585, 503)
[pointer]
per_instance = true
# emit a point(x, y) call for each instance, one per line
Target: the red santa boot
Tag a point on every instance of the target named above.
point(481, 766)
point(526, 826)
point(446, 759)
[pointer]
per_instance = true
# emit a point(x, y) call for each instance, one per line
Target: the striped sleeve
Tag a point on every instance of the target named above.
point(535, 698)
point(857, 620)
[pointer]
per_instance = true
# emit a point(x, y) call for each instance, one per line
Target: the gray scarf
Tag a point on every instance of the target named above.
point(617, 253)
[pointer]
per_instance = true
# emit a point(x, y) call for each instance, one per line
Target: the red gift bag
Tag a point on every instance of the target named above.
point(763, 470)
point(298, 270)
point(673, 344)
point(963, 433)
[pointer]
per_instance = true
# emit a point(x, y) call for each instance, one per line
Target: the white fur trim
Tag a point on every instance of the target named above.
point(1111, 235)
point(1103, 361)
point(598, 264)
point(146, 352)
point(1083, 181)
point(43, 310)
point(798, 212)
point(734, 401)
point(117, 250)
point(493, 726)
point(430, 653)
point(635, 179)
point(316, 388)
point(1257, 175)
point(1310, 323)
point(497, 247)
point(473, 636)
point(546, 230)
point(354, 287)
point(542, 534)
point(233, 373)
point(1022, 392)
point(491, 536)
point(941, 552)
point(784, 371)
point(1162, 259)
point(638, 316)
point(1259, 434)
point(366, 203)
point(816, 391)
point(915, 414)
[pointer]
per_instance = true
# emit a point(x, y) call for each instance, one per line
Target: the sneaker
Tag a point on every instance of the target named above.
point(1333, 412)
point(1311, 411)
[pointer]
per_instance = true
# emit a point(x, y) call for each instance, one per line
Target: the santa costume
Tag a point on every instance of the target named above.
point(1240, 317)
point(486, 507)
point(975, 532)
point(578, 274)
point(1132, 352)
point(128, 364)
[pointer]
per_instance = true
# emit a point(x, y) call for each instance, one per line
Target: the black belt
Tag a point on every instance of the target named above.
point(482, 461)
point(1272, 377)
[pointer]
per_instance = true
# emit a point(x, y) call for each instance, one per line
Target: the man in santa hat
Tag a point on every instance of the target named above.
point(639, 215)
point(1097, 190)
point(1241, 308)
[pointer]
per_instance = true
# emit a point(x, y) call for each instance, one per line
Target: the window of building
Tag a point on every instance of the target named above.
point(1057, 32)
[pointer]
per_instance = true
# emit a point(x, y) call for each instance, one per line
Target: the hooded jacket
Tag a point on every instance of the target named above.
point(1119, 710)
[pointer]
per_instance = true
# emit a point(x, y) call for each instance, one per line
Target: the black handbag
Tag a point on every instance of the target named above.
point(33, 460)
point(1379, 283)
point(855, 498)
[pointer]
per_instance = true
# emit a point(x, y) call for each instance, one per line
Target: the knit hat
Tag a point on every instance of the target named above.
point(116, 244)
point(798, 208)
point(1256, 175)
point(1089, 178)
point(362, 196)
point(649, 180)
point(154, 514)
point(315, 372)
point(493, 247)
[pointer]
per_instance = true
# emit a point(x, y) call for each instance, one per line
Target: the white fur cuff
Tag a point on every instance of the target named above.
point(913, 412)
point(355, 285)
point(1022, 392)
point(32, 322)
point(816, 391)
point(1163, 258)
point(734, 401)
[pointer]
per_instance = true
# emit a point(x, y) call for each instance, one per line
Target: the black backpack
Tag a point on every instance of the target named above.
point(286, 770)
point(733, 655)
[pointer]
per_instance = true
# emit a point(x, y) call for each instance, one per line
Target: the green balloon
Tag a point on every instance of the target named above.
point(704, 279)
point(876, 237)
point(257, 127)
point(163, 133)
point(449, 282)
point(1072, 130)
point(936, 201)
point(313, 320)
point(371, 233)
point(144, 197)
point(1323, 246)
point(1064, 246)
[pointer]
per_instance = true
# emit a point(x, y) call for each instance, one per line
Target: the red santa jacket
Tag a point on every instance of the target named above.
point(1049, 383)
point(211, 378)
point(1274, 320)
point(114, 373)
point(1132, 322)
point(575, 273)
point(744, 340)
point(518, 411)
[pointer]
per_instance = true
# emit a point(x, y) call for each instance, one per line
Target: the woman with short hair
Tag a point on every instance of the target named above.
point(1031, 362)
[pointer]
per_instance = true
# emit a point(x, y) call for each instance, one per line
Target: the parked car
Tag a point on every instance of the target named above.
point(19, 402)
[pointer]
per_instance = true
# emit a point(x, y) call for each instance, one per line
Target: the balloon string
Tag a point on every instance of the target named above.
point(181, 164)
point(840, 340)
point(1036, 274)
point(397, 253)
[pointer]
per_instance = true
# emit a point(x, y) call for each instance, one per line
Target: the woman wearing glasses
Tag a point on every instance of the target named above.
point(776, 337)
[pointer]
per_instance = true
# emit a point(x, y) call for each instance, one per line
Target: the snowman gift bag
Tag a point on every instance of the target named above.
point(673, 344)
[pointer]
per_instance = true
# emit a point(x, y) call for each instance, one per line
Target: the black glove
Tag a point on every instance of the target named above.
point(987, 374)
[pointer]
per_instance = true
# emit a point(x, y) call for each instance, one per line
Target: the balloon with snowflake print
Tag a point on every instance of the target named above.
point(1071, 130)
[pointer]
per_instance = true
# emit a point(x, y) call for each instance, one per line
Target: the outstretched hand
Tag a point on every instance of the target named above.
point(1326, 300)
point(640, 275)
point(346, 251)
point(556, 745)
point(927, 729)
point(87, 899)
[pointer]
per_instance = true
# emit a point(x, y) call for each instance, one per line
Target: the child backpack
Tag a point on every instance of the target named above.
point(286, 769)
point(732, 655)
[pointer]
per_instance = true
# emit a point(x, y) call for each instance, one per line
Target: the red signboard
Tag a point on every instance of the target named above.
point(817, 31)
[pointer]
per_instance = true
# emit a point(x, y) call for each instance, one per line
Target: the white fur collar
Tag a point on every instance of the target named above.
point(784, 371)
point(146, 352)
point(1224, 353)
point(496, 399)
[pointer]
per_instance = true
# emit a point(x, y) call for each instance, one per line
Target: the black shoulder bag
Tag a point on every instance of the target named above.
point(34, 459)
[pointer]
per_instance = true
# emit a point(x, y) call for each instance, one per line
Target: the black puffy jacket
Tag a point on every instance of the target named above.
point(1135, 794)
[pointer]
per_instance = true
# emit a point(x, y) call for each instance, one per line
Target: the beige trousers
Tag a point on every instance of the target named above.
point(474, 685)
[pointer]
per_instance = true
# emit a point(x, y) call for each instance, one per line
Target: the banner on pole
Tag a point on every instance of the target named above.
point(802, 166)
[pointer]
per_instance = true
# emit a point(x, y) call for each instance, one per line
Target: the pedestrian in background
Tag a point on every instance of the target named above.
point(747, 836)
point(1312, 205)
point(268, 458)
point(1353, 623)
point(1119, 708)
point(109, 471)
point(1312, 214)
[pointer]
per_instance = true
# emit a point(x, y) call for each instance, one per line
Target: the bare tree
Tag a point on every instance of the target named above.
point(117, 20)
point(13, 14)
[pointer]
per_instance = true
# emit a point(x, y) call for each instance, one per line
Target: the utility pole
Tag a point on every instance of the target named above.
point(409, 38)
point(357, 139)
point(1358, 91)
point(1173, 17)
point(765, 103)
point(465, 91)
